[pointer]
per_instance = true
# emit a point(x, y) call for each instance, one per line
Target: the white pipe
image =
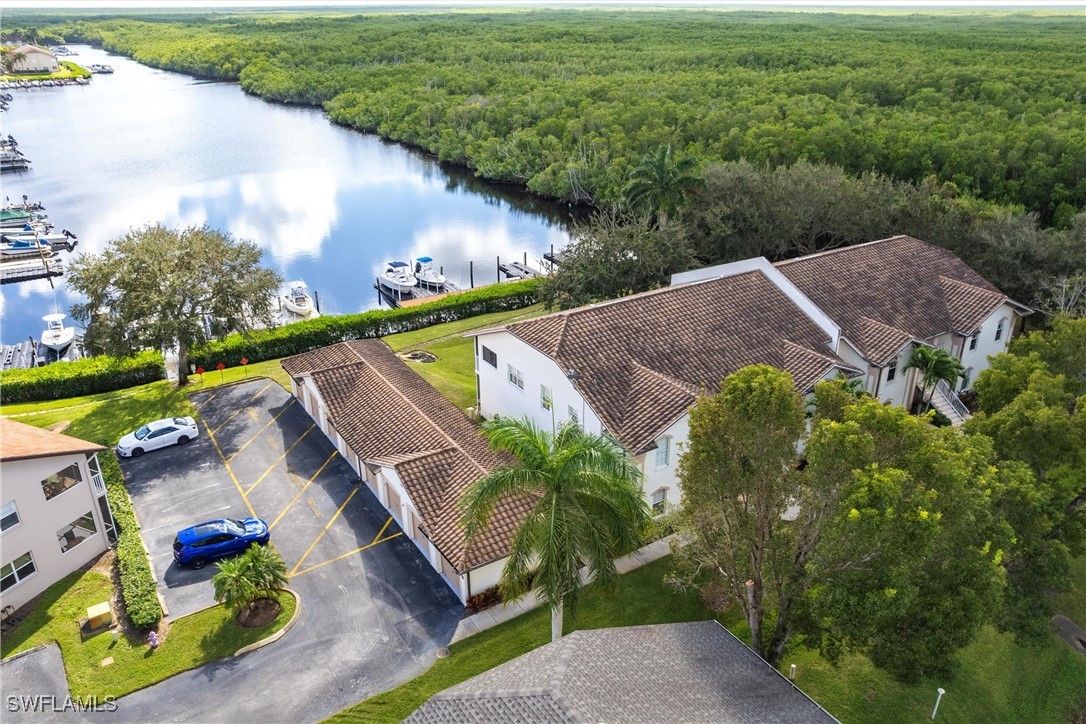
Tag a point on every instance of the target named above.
point(937, 700)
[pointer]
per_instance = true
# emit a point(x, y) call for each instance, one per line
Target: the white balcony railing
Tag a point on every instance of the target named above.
point(99, 484)
point(949, 396)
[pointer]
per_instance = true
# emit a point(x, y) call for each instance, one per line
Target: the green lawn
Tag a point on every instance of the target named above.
point(192, 640)
point(999, 680)
point(1072, 602)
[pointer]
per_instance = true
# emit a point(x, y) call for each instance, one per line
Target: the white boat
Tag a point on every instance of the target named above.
point(56, 336)
point(398, 277)
point(48, 238)
point(425, 273)
point(24, 247)
point(297, 301)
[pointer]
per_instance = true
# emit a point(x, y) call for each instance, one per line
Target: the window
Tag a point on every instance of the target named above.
point(489, 357)
point(18, 570)
point(659, 500)
point(57, 483)
point(9, 516)
point(973, 341)
point(546, 400)
point(891, 371)
point(999, 329)
point(573, 415)
point(76, 532)
point(663, 452)
point(516, 377)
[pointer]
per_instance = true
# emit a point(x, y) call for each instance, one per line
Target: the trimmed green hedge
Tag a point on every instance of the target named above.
point(137, 582)
point(312, 334)
point(87, 376)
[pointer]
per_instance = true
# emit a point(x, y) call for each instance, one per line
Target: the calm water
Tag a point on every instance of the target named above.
point(328, 205)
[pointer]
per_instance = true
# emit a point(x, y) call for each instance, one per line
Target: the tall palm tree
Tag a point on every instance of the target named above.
point(934, 364)
point(588, 508)
point(659, 182)
point(11, 58)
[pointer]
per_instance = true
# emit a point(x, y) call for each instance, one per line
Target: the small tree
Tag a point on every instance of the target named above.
point(934, 364)
point(160, 288)
point(588, 509)
point(253, 575)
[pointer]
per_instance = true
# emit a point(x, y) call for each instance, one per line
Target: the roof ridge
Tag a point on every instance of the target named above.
point(952, 280)
point(401, 458)
point(846, 247)
point(673, 381)
point(872, 320)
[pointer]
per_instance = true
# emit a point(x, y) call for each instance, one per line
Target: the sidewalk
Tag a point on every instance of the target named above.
point(495, 615)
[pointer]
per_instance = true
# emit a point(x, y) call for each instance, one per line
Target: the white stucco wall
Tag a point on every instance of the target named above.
point(486, 576)
point(37, 61)
point(40, 519)
point(497, 395)
point(987, 345)
point(666, 476)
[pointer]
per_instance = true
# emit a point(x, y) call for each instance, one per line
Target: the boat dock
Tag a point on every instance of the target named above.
point(395, 300)
point(24, 270)
point(516, 270)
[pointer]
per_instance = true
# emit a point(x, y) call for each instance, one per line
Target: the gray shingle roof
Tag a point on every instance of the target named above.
point(887, 292)
point(685, 672)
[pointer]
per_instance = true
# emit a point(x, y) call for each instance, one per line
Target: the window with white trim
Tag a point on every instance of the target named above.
point(546, 399)
point(490, 357)
point(76, 532)
point(659, 500)
point(9, 516)
point(663, 452)
point(516, 377)
point(19, 569)
point(891, 371)
point(573, 415)
point(973, 341)
point(999, 329)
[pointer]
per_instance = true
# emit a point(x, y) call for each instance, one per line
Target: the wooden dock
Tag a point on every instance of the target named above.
point(25, 270)
point(417, 294)
point(516, 270)
point(551, 258)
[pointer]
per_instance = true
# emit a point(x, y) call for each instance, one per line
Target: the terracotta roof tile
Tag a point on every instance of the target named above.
point(893, 290)
point(389, 415)
point(19, 441)
point(642, 359)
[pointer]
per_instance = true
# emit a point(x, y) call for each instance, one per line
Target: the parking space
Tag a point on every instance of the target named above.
point(259, 454)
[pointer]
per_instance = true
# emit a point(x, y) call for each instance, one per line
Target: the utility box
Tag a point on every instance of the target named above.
point(99, 616)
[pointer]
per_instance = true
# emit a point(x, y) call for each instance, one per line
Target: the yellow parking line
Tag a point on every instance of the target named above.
point(209, 399)
point(351, 553)
point(383, 527)
point(211, 436)
point(240, 409)
point(326, 527)
point(279, 459)
point(254, 437)
point(299, 493)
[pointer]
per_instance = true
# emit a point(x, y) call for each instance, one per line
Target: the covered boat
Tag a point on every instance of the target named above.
point(425, 273)
point(398, 277)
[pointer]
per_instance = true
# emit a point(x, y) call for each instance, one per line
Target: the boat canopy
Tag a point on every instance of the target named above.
point(397, 264)
point(296, 285)
point(424, 259)
point(50, 318)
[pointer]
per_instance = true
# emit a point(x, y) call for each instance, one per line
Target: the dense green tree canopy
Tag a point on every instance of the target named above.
point(160, 288)
point(567, 102)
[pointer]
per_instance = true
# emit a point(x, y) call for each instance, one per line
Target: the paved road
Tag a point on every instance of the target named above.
point(373, 610)
point(37, 681)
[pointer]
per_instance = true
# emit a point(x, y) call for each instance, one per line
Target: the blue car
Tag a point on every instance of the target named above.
point(197, 545)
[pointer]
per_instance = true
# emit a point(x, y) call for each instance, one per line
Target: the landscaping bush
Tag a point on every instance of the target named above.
point(137, 582)
point(315, 333)
point(87, 376)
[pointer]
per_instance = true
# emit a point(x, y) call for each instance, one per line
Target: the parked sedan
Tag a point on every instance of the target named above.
point(160, 433)
point(201, 543)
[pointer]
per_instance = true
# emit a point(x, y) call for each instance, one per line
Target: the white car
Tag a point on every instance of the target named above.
point(160, 433)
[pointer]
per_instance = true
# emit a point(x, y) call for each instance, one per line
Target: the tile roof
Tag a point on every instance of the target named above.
point(390, 416)
point(643, 359)
point(685, 672)
point(887, 292)
point(19, 441)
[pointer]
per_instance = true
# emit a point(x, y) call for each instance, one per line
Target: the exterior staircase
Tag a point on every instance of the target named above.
point(946, 402)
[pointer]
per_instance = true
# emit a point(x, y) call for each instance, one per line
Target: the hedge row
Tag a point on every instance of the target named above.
point(137, 582)
point(312, 334)
point(87, 376)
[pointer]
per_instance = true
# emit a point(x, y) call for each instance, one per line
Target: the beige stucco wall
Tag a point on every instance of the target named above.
point(38, 61)
point(40, 519)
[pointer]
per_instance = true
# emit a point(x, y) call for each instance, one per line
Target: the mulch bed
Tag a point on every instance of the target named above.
point(260, 612)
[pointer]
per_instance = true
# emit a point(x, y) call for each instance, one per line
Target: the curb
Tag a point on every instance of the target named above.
point(21, 654)
point(281, 632)
point(233, 383)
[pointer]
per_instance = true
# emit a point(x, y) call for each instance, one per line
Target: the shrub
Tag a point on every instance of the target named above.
point(484, 599)
point(87, 376)
point(137, 582)
point(315, 333)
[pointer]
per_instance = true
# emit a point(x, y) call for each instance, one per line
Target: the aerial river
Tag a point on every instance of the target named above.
point(328, 205)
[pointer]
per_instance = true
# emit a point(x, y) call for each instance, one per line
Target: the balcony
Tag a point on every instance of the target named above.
point(98, 483)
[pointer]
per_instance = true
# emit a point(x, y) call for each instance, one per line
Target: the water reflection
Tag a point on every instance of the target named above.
point(328, 205)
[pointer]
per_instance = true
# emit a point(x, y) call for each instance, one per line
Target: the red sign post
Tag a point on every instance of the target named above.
point(200, 371)
point(244, 362)
point(220, 367)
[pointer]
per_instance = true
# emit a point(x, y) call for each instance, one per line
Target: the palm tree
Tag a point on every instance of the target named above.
point(588, 508)
point(10, 59)
point(934, 364)
point(254, 574)
point(659, 182)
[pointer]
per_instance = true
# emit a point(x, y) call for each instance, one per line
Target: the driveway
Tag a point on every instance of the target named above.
point(35, 687)
point(373, 610)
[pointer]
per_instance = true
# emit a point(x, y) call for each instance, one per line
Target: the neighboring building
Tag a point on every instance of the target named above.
point(633, 367)
point(682, 672)
point(55, 517)
point(35, 60)
point(416, 451)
